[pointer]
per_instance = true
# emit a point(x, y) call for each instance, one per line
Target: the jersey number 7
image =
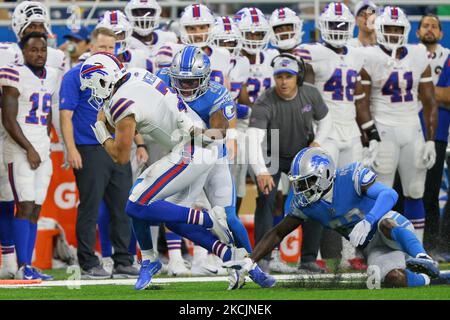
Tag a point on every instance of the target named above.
point(32, 118)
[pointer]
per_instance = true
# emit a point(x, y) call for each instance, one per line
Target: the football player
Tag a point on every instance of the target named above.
point(429, 34)
point(396, 76)
point(139, 100)
point(28, 16)
point(27, 93)
point(214, 105)
point(255, 31)
point(362, 213)
point(336, 68)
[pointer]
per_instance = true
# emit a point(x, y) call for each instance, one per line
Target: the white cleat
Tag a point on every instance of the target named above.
point(177, 268)
point(236, 279)
point(237, 261)
point(277, 265)
point(204, 268)
point(216, 261)
point(220, 226)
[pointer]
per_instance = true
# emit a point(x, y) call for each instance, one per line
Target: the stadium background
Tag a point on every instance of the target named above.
point(62, 196)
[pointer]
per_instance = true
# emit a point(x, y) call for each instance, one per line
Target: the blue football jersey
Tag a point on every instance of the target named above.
point(217, 97)
point(348, 205)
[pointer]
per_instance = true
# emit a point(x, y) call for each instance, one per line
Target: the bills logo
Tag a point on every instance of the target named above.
point(307, 108)
point(285, 62)
point(88, 70)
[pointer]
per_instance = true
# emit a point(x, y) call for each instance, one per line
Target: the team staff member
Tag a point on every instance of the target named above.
point(290, 107)
point(97, 176)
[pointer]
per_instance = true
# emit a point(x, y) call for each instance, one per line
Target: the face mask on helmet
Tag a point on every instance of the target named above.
point(336, 33)
point(144, 20)
point(198, 35)
point(27, 13)
point(286, 36)
point(254, 41)
point(392, 37)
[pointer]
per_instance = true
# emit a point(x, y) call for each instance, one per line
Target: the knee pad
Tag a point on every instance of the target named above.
point(385, 162)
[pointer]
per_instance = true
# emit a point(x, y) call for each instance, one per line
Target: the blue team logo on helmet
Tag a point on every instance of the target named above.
point(87, 70)
point(318, 160)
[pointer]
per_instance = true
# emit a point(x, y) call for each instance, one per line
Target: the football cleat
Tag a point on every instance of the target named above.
point(39, 275)
point(277, 265)
point(236, 279)
point(148, 270)
point(220, 226)
point(26, 273)
point(444, 278)
point(239, 260)
point(177, 268)
point(264, 280)
point(423, 263)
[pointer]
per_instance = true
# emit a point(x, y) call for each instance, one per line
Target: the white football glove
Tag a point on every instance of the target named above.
point(370, 153)
point(101, 132)
point(429, 154)
point(359, 233)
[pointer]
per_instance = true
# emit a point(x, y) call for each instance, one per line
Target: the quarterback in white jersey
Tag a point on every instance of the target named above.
point(336, 71)
point(140, 101)
point(26, 113)
point(398, 76)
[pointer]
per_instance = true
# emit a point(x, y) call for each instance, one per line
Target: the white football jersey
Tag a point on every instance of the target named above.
point(35, 102)
point(158, 112)
point(335, 77)
point(261, 74)
point(135, 58)
point(239, 72)
point(395, 83)
point(219, 58)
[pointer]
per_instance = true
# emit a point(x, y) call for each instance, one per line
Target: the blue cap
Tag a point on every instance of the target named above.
point(81, 34)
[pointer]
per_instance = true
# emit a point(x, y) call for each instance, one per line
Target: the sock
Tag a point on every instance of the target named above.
point(132, 248)
point(415, 212)
point(143, 235)
point(416, 279)
point(201, 237)
point(237, 227)
point(149, 255)
point(21, 229)
point(173, 245)
point(31, 241)
point(103, 230)
point(155, 234)
point(6, 226)
point(407, 241)
point(172, 213)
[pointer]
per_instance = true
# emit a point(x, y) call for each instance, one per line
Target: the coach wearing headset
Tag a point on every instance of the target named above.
point(282, 115)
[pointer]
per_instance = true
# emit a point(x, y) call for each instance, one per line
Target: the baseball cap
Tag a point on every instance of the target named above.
point(82, 34)
point(285, 64)
point(362, 5)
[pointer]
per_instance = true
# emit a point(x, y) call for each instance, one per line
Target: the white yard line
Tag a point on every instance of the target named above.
point(164, 281)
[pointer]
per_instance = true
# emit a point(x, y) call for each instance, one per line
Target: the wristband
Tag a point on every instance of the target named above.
point(371, 130)
point(141, 146)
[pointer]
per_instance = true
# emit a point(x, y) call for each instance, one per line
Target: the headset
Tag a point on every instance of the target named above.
point(300, 63)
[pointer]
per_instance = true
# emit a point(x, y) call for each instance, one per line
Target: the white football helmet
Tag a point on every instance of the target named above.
point(194, 15)
point(252, 21)
point(100, 72)
point(117, 22)
point(336, 24)
point(144, 15)
point(28, 12)
point(392, 16)
point(289, 39)
point(225, 31)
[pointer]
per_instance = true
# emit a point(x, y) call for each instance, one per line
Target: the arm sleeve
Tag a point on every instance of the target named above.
point(385, 199)
point(323, 129)
point(69, 93)
point(255, 155)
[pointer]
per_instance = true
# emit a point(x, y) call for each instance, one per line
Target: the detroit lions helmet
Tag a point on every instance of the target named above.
point(392, 17)
point(195, 15)
point(28, 12)
point(117, 21)
point(336, 24)
point(287, 39)
point(226, 35)
point(190, 72)
point(253, 25)
point(312, 172)
point(143, 15)
point(100, 72)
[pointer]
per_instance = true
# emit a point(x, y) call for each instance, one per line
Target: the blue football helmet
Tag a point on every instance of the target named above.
point(312, 172)
point(190, 73)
